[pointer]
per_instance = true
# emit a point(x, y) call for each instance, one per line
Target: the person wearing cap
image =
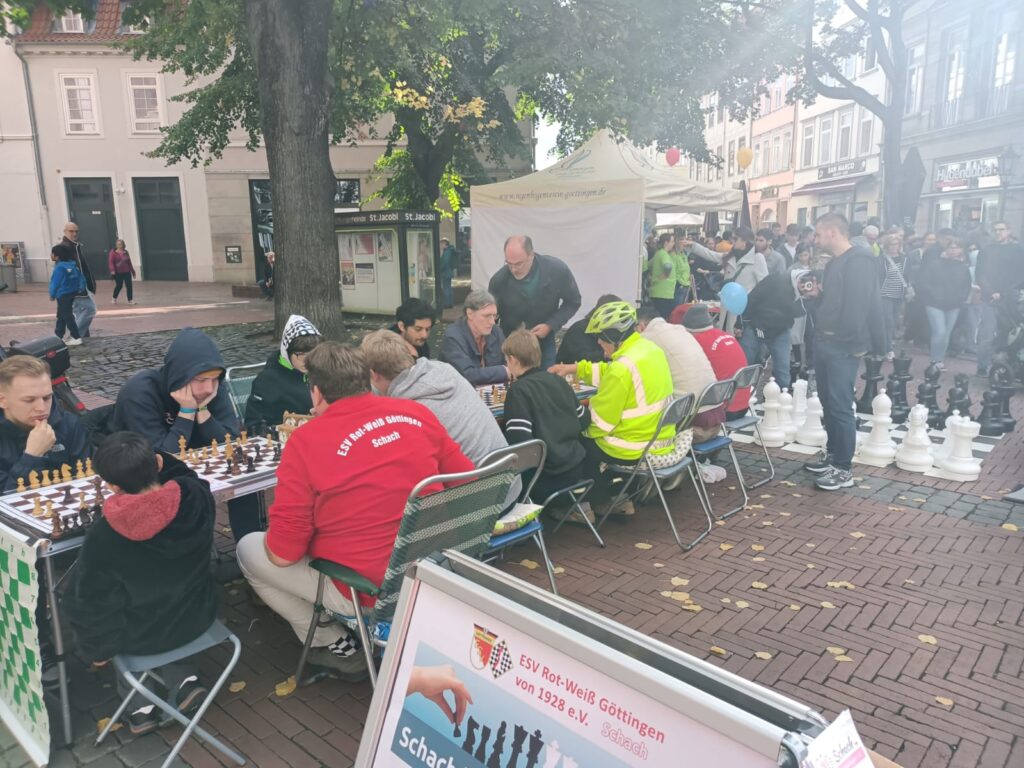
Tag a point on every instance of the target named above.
point(723, 352)
point(282, 385)
point(633, 387)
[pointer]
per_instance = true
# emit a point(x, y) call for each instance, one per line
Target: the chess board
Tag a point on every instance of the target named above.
point(18, 507)
point(213, 466)
point(493, 395)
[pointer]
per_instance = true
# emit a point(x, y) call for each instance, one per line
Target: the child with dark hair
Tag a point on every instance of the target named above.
point(281, 385)
point(66, 282)
point(144, 583)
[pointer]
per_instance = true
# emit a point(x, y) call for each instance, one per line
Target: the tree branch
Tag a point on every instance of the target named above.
point(847, 90)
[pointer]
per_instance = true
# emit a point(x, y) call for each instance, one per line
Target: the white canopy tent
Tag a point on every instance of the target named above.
point(592, 210)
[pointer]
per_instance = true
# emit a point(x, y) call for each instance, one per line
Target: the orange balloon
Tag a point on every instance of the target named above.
point(744, 157)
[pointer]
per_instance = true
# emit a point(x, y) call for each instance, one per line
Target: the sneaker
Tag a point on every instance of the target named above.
point(835, 479)
point(143, 721)
point(820, 466)
point(626, 508)
point(575, 518)
point(720, 471)
point(350, 668)
point(940, 366)
point(190, 696)
point(73, 343)
point(707, 474)
point(114, 301)
point(132, 302)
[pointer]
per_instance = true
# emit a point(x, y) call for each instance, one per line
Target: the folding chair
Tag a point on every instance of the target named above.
point(461, 518)
point(747, 377)
point(714, 396)
point(576, 495)
point(130, 667)
point(531, 454)
point(680, 412)
point(239, 379)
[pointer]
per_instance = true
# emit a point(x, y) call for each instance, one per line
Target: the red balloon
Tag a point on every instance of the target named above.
point(672, 155)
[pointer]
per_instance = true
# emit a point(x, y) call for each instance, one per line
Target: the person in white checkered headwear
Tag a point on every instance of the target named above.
point(281, 385)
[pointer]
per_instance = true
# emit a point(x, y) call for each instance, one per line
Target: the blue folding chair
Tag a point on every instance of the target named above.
point(747, 377)
point(715, 396)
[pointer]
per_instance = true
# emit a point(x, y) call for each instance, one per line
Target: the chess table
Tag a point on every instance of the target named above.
point(493, 396)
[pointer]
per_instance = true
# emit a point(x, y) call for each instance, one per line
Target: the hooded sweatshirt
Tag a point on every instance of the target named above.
point(72, 445)
point(279, 386)
point(772, 305)
point(145, 405)
point(144, 583)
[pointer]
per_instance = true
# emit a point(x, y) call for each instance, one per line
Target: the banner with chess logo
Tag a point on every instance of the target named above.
point(471, 691)
point(21, 687)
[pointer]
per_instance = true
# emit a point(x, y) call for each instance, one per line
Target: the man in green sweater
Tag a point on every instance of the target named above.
point(682, 264)
point(663, 276)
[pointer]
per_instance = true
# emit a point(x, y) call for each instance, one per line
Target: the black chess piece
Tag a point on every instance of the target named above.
point(494, 761)
point(485, 736)
point(536, 745)
point(470, 742)
point(277, 452)
point(1001, 379)
point(456, 732)
point(932, 374)
point(872, 376)
point(250, 465)
point(955, 402)
point(963, 381)
point(896, 389)
point(235, 469)
point(991, 418)
point(518, 737)
point(795, 370)
point(257, 451)
point(67, 495)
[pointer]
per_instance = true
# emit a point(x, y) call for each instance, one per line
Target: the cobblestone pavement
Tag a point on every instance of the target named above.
point(877, 571)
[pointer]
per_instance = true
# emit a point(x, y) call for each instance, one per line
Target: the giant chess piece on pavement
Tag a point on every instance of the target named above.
point(787, 420)
point(932, 376)
point(879, 450)
point(872, 378)
point(963, 381)
point(1002, 382)
point(957, 399)
point(958, 463)
point(811, 433)
point(991, 419)
point(799, 401)
point(770, 429)
point(926, 396)
point(914, 453)
point(795, 371)
point(901, 375)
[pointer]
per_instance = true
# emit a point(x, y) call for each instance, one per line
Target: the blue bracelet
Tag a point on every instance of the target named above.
point(188, 410)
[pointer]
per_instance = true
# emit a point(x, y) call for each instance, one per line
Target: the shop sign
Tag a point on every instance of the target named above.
point(769, 192)
point(845, 168)
point(980, 173)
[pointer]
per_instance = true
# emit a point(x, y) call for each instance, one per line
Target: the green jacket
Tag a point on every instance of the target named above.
point(682, 268)
point(663, 275)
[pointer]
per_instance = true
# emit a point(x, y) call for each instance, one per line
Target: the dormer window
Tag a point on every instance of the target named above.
point(69, 22)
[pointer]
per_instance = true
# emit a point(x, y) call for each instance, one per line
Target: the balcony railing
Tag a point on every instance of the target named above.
point(951, 112)
point(999, 99)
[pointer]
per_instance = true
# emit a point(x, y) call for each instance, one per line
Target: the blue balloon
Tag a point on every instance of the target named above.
point(734, 298)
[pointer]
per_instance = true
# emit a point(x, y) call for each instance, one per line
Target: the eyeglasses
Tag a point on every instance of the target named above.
point(493, 316)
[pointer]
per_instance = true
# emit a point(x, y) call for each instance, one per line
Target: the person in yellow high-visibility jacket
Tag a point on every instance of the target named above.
point(633, 387)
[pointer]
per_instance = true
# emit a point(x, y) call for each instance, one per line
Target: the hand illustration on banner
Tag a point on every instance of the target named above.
point(433, 682)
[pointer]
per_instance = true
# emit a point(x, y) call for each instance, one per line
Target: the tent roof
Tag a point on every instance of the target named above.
point(604, 170)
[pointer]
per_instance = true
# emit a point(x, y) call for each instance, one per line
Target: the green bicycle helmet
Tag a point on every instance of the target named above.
point(613, 321)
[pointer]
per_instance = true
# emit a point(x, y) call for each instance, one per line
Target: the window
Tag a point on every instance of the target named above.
point(718, 170)
point(869, 57)
point(1004, 64)
point(777, 96)
point(776, 154)
point(825, 143)
point(731, 159)
point(867, 125)
point(144, 103)
point(346, 195)
point(75, 23)
point(915, 79)
point(757, 159)
point(712, 105)
point(787, 150)
point(848, 67)
point(80, 112)
point(125, 28)
point(845, 135)
point(953, 87)
point(807, 146)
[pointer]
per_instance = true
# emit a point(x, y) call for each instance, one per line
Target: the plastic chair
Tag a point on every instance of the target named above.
point(239, 379)
point(680, 412)
point(747, 377)
point(129, 668)
point(531, 454)
point(461, 518)
point(715, 396)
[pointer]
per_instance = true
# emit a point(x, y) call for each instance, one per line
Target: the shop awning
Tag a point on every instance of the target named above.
point(845, 184)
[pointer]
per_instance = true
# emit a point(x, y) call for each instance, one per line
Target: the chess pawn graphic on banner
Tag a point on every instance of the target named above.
point(772, 435)
point(879, 450)
point(811, 433)
point(914, 453)
point(787, 421)
point(958, 463)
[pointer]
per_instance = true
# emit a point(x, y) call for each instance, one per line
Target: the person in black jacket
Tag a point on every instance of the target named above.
point(69, 249)
point(944, 288)
point(577, 344)
point(267, 283)
point(281, 385)
point(144, 584)
point(535, 292)
point(772, 307)
point(542, 405)
point(413, 320)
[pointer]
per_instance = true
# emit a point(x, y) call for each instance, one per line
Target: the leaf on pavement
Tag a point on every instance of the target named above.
point(909, 581)
point(742, 604)
point(682, 597)
point(726, 599)
point(928, 639)
point(100, 725)
point(679, 582)
point(835, 650)
point(811, 565)
point(786, 514)
point(757, 559)
point(1009, 527)
point(794, 607)
point(721, 651)
point(944, 701)
point(659, 565)
point(840, 585)
point(767, 523)
point(895, 509)
point(764, 655)
point(768, 496)
point(642, 545)
point(719, 522)
point(857, 535)
point(843, 657)
point(237, 687)
point(529, 564)
point(830, 517)
point(286, 688)
point(810, 544)
point(757, 547)
point(558, 569)
point(725, 547)
point(827, 604)
point(693, 608)
point(759, 585)
point(755, 506)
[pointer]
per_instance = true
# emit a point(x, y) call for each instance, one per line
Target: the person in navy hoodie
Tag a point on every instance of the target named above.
point(66, 282)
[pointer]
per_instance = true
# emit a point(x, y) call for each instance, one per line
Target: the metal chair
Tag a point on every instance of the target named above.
point(715, 396)
point(576, 494)
point(679, 412)
point(239, 379)
point(747, 377)
point(129, 668)
point(531, 455)
point(461, 517)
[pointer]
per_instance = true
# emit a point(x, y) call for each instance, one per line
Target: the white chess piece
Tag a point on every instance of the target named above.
point(914, 453)
point(772, 435)
point(799, 401)
point(811, 432)
point(959, 463)
point(940, 450)
point(552, 754)
point(878, 449)
point(787, 420)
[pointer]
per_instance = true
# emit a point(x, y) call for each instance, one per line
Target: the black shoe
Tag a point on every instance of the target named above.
point(141, 723)
point(190, 697)
point(820, 466)
point(351, 668)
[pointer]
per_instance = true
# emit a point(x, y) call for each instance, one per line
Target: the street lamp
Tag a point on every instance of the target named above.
point(1007, 165)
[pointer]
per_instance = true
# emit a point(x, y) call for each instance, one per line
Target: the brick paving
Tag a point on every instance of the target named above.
point(933, 560)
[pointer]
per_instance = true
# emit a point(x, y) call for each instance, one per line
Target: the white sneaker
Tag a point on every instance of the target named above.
point(73, 343)
point(707, 473)
point(720, 471)
point(114, 301)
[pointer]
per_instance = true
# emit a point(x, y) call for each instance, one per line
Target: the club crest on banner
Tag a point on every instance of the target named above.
point(490, 651)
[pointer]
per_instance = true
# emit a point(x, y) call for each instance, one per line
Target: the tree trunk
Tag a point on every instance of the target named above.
point(289, 44)
point(893, 178)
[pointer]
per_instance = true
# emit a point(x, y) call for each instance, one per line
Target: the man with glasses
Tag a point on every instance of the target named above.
point(535, 292)
point(999, 270)
point(84, 306)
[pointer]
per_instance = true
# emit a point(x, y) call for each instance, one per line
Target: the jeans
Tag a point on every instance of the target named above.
point(836, 372)
point(447, 298)
point(547, 351)
point(941, 322)
point(66, 317)
point(85, 311)
point(779, 348)
point(890, 319)
point(123, 280)
point(986, 334)
point(266, 290)
point(601, 492)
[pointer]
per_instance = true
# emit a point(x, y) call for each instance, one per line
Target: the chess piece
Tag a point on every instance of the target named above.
point(485, 736)
point(897, 389)
point(250, 465)
point(1001, 380)
point(79, 470)
point(811, 433)
point(229, 447)
point(67, 495)
point(65, 473)
point(519, 736)
point(213, 447)
point(786, 420)
point(914, 453)
point(88, 468)
point(49, 509)
point(991, 418)
point(277, 452)
point(963, 381)
point(56, 531)
point(958, 463)
point(499, 746)
point(97, 485)
point(799, 401)
point(470, 742)
point(879, 450)
point(872, 376)
point(456, 731)
point(37, 507)
point(244, 437)
point(81, 501)
point(258, 451)
point(21, 480)
point(206, 468)
point(536, 745)
point(46, 478)
point(235, 469)
point(770, 429)
point(182, 442)
point(552, 754)
point(957, 399)
point(33, 480)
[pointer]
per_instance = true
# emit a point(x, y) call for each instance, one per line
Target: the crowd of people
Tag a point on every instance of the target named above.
point(144, 566)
